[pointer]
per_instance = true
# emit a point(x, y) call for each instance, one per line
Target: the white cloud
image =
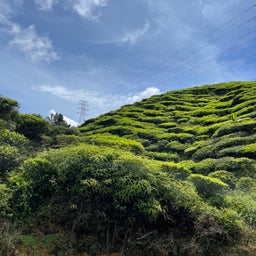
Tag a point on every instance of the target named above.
point(130, 37)
point(148, 92)
point(5, 11)
point(45, 5)
point(86, 8)
point(104, 103)
point(134, 36)
point(61, 92)
point(37, 48)
point(217, 12)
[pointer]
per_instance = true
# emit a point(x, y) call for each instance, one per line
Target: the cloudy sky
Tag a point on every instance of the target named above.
point(107, 53)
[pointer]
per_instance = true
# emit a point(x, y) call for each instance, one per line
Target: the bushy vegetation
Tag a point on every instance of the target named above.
point(174, 174)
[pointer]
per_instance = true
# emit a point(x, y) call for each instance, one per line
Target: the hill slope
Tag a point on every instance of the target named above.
point(171, 175)
point(214, 122)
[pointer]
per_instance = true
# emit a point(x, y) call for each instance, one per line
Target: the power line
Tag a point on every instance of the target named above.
point(188, 62)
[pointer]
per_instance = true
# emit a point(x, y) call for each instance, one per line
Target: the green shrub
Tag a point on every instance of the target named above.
point(29, 240)
point(204, 167)
point(231, 221)
point(225, 176)
point(177, 171)
point(175, 130)
point(120, 130)
point(12, 139)
point(65, 139)
point(176, 146)
point(204, 152)
point(113, 140)
point(181, 137)
point(233, 117)
point(195, 146)
point(239, 166)
point(8, 108)
point(98, 179)
point(244, 204)
point(208, 187)
point(246, 184)
point(168, 125)
point(9, 159)
point(148, 112)
point(5, 195)
point(33, 185)
point(227, 145)
point(38, 243)
point(107, 121)
point(204, 112)
point(249, 150)
point(155, 120)
point(147, 134)
point(234, 139)
point(32, 126)
point(162, 156)
point(244, 126)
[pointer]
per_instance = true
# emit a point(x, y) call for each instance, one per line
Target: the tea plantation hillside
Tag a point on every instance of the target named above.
point(174, 174)
point(205, 129)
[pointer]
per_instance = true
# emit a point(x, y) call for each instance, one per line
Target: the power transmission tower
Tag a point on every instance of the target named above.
point(82, 110)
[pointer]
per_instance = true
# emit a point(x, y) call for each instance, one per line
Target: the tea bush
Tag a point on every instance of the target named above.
point(207, 186)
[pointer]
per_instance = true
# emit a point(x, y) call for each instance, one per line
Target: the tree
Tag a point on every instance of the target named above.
point(32, 126)
point(8, 108)
point(57, 119)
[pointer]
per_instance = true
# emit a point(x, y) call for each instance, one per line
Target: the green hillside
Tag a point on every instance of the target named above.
point(208, 122)
point(174, 174)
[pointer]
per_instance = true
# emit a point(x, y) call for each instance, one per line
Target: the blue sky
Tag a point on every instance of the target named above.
point(55, 53)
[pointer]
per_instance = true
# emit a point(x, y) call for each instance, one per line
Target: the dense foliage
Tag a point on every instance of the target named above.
point(174, 174)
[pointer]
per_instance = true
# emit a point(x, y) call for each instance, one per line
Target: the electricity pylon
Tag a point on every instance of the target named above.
point(82, 110)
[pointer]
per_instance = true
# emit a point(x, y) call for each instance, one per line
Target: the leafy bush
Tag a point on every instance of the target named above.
point(32, 126)
point(231, 221)
point(176, 146)
point(181, 137)
point(120, 130)
point(239, 166)
point(225, 176)
point(12, 139)
point(8, 108)
point(9, 159)
point(112, 140)
point(162, 156)
point(5, 195)
point(245, 126)
point(168, 125)
point(249, 149)
point(147, 134)
point(65, 140)
point(228, 145)
point(108, 121)
point(204, 167)
point(107, 180)
point(204, 152)
point(244, 204)
point(234, 139)
point(152, 112)
point(177, 171)
point(32, 184)
point(208, 187)
point(246, 184)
